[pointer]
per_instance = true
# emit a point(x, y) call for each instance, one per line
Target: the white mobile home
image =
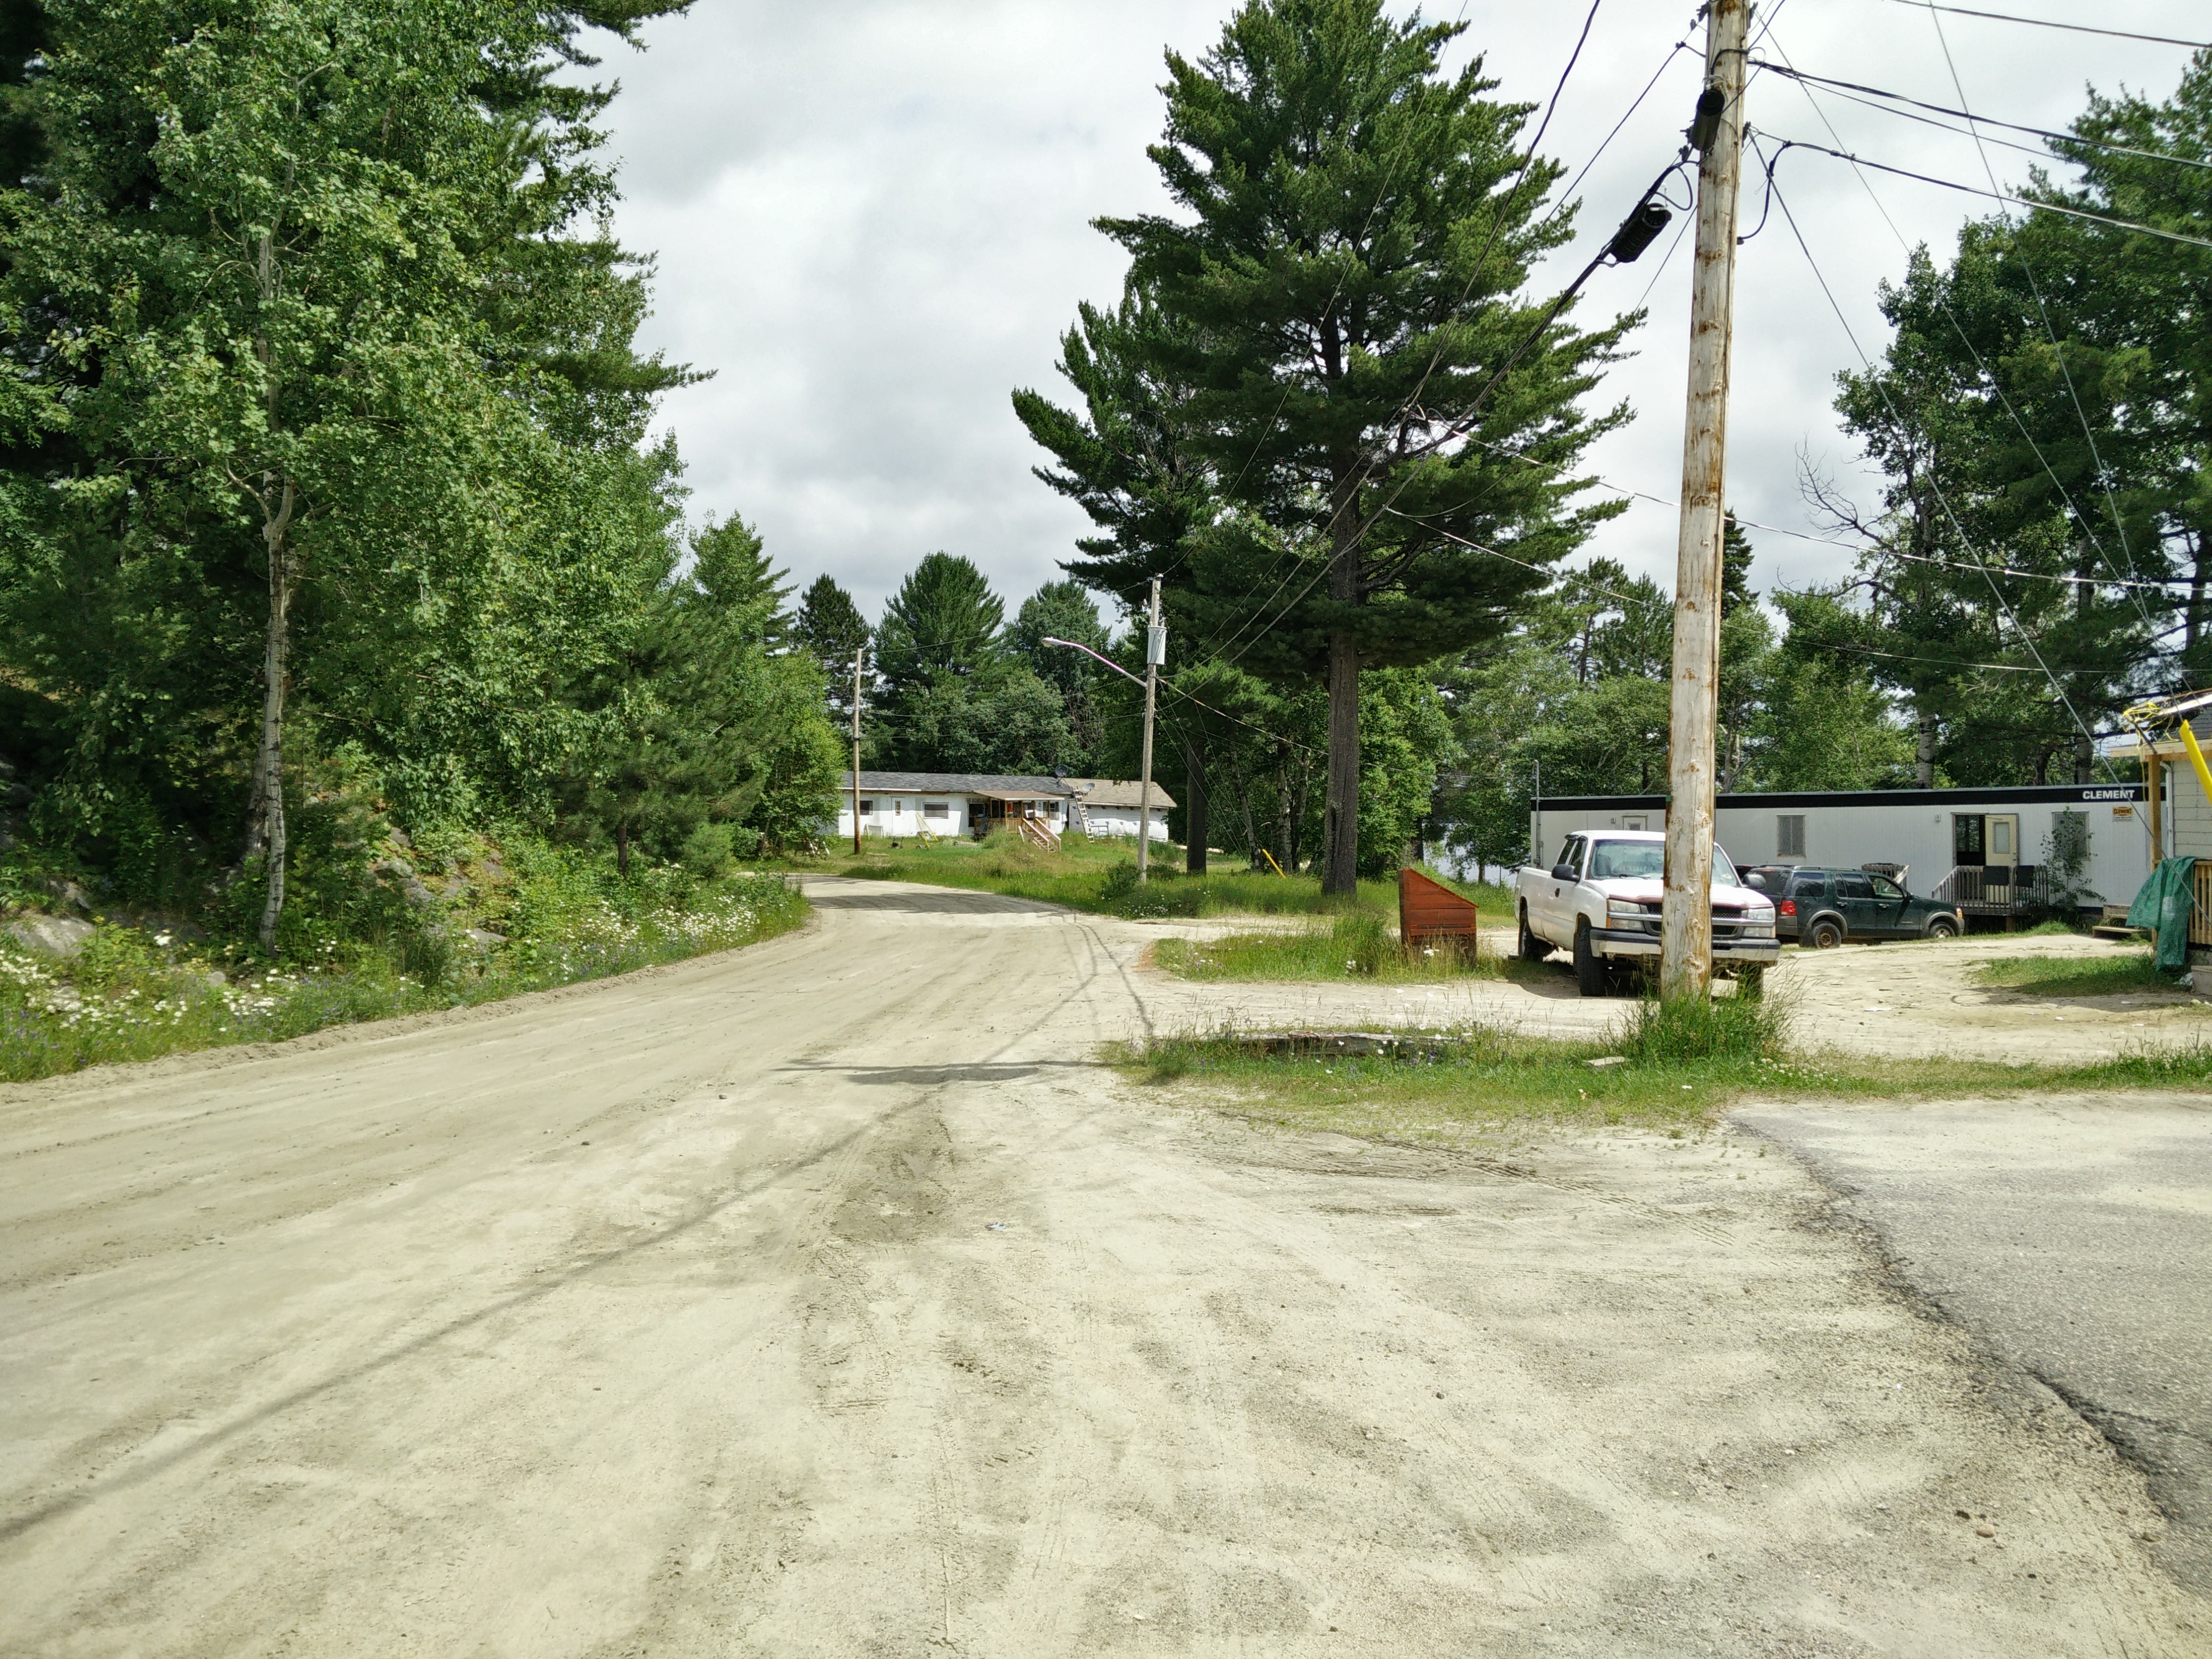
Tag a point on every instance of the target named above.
point(1980, 848)
point(1109, 806)
point(910, 805)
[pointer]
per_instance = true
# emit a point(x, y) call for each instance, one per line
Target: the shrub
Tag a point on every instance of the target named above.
point(1700, 1028)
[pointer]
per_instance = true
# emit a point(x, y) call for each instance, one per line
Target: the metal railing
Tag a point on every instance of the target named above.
point(1993, 887)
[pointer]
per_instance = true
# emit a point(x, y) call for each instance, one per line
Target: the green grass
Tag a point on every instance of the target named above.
point(1676, 1068)
point(132, 994)
point(1354, 945)
point(1099, 876)
point(2090, 976)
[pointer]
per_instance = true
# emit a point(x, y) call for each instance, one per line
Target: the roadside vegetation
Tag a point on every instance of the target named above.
point(1670, 1067)
point(1354, 944)
point(2091, 976)
point(486, 921)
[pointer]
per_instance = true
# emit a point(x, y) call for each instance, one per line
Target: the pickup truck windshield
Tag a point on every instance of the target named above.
point(1610, 859)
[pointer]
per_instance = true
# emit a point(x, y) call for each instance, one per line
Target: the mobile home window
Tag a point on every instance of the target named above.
point(867, 808)
point(1789, 835)
point(935, 809)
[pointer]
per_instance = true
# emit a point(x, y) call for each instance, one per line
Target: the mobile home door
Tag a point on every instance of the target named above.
point(2003, 841)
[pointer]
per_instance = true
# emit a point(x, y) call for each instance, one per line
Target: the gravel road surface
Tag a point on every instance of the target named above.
point(825, 1299)
point(2074, 1237)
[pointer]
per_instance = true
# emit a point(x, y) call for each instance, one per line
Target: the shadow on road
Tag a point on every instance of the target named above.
point(931, 1076)
point(933, 901)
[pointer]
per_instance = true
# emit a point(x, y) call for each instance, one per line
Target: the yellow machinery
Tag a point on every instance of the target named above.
point(2172, 713)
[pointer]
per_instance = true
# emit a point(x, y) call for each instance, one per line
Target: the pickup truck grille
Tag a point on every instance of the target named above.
point(1728, 919)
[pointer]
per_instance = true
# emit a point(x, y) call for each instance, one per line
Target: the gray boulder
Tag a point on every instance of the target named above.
point(50, 936)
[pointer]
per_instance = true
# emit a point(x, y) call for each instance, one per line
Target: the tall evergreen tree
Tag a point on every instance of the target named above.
point(1064, 610)
point(944, 623)
point(1341, 291)
point(830, 626)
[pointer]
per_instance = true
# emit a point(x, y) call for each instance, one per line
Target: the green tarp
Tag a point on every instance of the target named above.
point(2163, 906)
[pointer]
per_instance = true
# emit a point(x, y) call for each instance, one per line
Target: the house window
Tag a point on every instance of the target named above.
point(867, 809)
point(935, 809)
point(1967, 838)
point(1789, 835)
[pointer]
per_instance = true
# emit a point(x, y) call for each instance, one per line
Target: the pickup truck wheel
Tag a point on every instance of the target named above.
point(1943, 927)
point(1531, 949)
point(1827, 933)
point(1590, 969)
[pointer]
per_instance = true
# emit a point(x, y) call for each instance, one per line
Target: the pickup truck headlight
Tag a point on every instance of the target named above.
point(1623, 910)
point(1759, 924)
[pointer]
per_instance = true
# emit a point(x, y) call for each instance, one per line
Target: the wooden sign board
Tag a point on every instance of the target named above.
point(1429, 911)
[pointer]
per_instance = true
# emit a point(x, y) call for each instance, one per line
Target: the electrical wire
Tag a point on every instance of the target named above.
point(1966, 339)
point(1173, 689)
point(1994, 195)
point(2058, 351)
point(2159, 584)
point(1645, 602)
point(2027, 639)
point(1848, 87)
point(2052, 23)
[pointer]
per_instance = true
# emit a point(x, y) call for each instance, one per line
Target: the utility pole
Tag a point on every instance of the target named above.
point(1685, 950)
point(1155, 653)
point(857, 655)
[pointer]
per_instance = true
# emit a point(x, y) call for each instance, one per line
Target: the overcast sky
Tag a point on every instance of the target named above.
point(871, 220)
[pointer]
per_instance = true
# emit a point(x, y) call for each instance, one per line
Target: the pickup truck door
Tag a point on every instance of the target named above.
point(1554, 921)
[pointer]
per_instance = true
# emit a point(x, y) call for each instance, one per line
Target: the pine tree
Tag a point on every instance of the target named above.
point(831, 628)
point(1338, 295)
point(944, 623)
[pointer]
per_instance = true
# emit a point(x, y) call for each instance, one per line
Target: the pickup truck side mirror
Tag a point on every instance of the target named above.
point(1562, 873)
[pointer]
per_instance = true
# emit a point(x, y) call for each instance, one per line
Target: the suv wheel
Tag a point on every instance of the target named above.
point(1530, 948)
point(1943, 927)
point(1827, 933)
point(1590, 970)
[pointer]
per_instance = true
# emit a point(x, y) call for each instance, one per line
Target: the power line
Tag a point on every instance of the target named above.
point(1847, 88)
point(2120, 525)
point(1976, 190)
point(2027, 639)
point(1959, 328)
point(2052, 23)
point(1169, 686)
point(1648, 603)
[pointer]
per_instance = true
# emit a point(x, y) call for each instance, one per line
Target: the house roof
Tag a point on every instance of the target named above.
point(1091, 792)
point(952, 783)
point(1117, 792)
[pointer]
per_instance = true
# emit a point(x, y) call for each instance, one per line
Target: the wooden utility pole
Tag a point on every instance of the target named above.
point(1686, 957)
point(1155, 653)
point(857, 655)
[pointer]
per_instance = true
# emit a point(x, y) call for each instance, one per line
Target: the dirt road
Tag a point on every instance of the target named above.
point(823, 1298)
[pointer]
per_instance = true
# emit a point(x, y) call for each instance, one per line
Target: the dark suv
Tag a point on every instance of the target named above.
point(1820, 908)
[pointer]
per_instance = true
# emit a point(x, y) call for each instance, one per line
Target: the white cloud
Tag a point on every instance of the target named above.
point(871, 221)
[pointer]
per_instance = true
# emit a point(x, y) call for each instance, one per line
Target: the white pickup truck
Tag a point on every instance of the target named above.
point(1600, 901)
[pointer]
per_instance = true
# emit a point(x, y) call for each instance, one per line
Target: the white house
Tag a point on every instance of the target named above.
point(1984, 842)
point(907, 804)
point(1109, 806)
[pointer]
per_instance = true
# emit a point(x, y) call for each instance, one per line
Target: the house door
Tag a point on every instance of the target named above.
point(2003, 841)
